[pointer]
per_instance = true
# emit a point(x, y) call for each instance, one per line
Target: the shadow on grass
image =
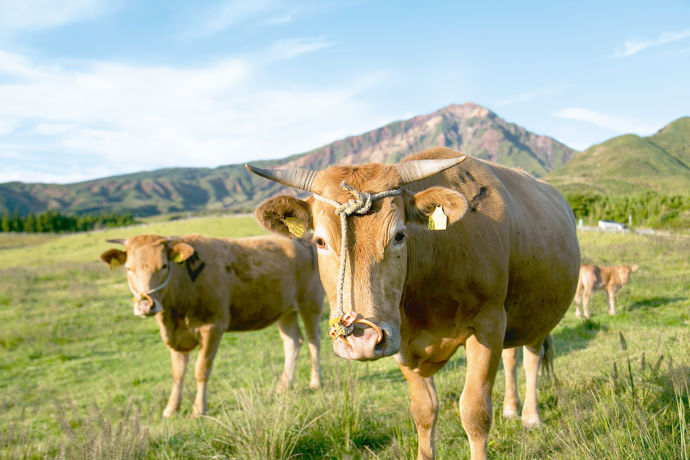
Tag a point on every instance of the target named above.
point(653, 302)
point(573, 338)
point(315, 446)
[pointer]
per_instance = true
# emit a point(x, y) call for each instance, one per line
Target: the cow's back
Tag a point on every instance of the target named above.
point(517, 239)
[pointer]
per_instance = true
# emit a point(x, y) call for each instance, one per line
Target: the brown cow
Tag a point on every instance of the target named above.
point(501, 275)
point(199, 287)
point(593, 277)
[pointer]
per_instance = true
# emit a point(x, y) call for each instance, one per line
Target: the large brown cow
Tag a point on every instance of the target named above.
point(199, 287)
point(501, 275)
point(593, 277)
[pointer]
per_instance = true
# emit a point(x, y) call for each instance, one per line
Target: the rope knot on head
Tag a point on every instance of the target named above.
point(361, 204)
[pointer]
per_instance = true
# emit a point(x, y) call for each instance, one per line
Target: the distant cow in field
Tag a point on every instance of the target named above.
point(593, 277)
point(199, 287)
point(420, 258)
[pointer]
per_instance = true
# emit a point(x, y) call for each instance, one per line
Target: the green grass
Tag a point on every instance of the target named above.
point(81, 377)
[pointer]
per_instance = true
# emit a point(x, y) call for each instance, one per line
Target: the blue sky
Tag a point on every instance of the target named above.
point(92, 88)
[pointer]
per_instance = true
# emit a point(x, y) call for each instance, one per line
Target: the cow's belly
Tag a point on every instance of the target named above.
point(534, 310)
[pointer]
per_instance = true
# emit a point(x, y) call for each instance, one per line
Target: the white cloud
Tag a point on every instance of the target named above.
point(618, 125)
point(635, 46)
point(290, 48)
point(18, 15)
point(128, 118)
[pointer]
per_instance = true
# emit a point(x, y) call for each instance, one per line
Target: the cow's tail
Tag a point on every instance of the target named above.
point(547, 360)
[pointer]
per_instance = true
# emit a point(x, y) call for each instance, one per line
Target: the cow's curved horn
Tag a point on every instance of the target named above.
point(294, 177)
point(411, 171)
point(117, 241)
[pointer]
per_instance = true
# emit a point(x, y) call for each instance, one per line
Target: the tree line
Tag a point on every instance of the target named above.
point(54, 222)
point(650, 209)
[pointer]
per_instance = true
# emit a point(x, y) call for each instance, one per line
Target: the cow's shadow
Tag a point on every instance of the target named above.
point(652, 302)
point(573, 338)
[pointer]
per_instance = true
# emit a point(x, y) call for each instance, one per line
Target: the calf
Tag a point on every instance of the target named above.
point(593, 277)
point(199, 287)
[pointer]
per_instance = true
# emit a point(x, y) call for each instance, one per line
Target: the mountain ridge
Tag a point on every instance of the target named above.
point(630, 163)
point(469, 127)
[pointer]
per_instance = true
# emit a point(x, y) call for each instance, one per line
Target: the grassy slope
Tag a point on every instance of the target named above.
point(629, 163)
point(79, 373)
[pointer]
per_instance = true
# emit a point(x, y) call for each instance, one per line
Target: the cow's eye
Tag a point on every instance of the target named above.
point(320, 243)
point(400, 237)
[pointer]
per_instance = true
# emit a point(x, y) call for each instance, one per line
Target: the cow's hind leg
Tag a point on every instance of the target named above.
point(587, 292)
point(311, 315)
point(210, 339)
point(424, 408)
point(484, 350)
point(578, 298)
point(179, 368)
point(292, 341)
point(511, 401)
point(533, 355)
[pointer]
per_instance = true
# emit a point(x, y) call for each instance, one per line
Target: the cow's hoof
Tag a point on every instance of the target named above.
point(578, 314)
point(531, 421)
point(196, 414)
point(510, 413)
point(169, 412)
point(314, 385)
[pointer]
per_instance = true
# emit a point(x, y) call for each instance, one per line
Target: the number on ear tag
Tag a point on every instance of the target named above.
point(438, 219)
point(294, 226)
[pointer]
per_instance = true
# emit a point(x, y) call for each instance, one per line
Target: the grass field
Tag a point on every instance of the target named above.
point(82, 377)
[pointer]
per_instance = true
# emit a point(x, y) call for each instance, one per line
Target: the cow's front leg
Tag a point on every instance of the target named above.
point(424, 407)
point(210, 336)
point(483, 355)
point(179, 368)
point(611, 293)
point(511, 400)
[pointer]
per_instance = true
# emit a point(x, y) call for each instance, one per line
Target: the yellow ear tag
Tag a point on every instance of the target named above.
point(178, 259)
point(438, 219)
point(294, 226)
point(114, 264)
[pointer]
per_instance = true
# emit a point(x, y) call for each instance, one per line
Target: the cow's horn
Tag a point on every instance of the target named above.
point(294, 177)
point(411, 171)
point(117, 241)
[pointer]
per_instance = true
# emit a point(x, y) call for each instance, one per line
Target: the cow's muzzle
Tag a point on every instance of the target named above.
point(146, 306)
point(366, 340)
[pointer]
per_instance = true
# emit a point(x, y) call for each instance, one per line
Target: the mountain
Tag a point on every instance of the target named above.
point(630, 163)
point(470, 128)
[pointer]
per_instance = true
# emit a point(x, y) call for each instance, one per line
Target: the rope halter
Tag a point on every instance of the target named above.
point(342, 324)
point(146, 295)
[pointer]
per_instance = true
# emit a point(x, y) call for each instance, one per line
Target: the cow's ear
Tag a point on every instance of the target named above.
point(285, 215)
point(179, 252)
point(114, 258)
point(422, 205)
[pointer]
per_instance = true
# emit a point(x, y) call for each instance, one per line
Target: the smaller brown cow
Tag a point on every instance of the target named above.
point(199, 287)
point(593, 277)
